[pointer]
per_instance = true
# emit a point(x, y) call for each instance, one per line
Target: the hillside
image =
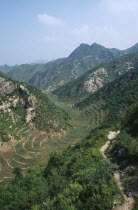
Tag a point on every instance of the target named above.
point(80, 177)
point(32, 127)
point(96, 78)
point(110, 103)
point(25, 72)
point(23, 105)
point(56, 73)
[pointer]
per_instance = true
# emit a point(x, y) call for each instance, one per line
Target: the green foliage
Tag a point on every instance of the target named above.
point(126, 146)
point(47, 113)
point(129, 146)
point(131, 120)
point(78, 179)
point(18, 173)
point(113, 99)
point(136, 203)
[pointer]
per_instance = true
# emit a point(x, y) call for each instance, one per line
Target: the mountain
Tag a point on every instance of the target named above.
point(100, 172)
point(5, 69)
point(56, 73)
point(23, 107)
point(96, 78)
point(111, 102)
point(85, 176)
point(131, 49)
point(25, 72)
point(97, 52)
point(41, 61)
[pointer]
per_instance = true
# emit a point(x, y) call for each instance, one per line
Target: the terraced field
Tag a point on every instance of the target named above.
point(36, 146)
point(27, 152)
point(94, 113)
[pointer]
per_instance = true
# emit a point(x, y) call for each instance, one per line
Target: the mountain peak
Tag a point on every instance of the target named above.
point(96, 45)
point(80, 51)
point(83, 45)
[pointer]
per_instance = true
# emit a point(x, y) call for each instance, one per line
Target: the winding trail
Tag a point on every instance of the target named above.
point(42, 143)
point(128, 201)
point(8, 164)
point(19, 161)
point(26, 149)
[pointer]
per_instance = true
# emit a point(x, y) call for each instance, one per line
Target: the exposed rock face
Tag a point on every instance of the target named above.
point(30, 115)
point(24, 108)
point(24, 89)
point(5, 106)
point(95, 81)
point(6, 86)
point(126, 67)
point(10, 102)
point(32, 103)
point(98, 79)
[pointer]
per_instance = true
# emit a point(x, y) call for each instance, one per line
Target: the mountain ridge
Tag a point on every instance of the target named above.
point(59, 72)
point(97, 77)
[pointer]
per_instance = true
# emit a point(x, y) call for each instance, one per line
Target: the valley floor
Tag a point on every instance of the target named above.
point(34, 149)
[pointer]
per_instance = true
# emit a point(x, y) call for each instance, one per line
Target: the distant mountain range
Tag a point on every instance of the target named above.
point(56, 73)
point(96, 78)
point(40, 61)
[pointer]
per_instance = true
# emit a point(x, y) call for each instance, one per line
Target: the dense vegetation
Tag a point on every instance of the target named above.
point(110, 103)
point(78, 179)
point(48, 115)
point(127, 140)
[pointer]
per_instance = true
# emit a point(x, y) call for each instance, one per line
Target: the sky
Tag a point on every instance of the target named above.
point(31, 30)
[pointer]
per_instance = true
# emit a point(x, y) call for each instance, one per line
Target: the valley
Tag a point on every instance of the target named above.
point(75, 147)
point(69, 105)
point(35, 147)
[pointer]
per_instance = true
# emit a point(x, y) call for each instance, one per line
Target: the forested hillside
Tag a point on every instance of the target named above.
point(96, 78)
point(110, 102)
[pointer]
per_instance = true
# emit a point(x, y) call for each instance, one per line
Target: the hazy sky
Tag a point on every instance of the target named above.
point(47, 29)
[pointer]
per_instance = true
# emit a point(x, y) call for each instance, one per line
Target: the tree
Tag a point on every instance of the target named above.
point(18, 172)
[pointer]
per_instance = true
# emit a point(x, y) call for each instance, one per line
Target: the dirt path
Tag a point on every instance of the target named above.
point(8, 164)
point(128, 201)
point(19, 161)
